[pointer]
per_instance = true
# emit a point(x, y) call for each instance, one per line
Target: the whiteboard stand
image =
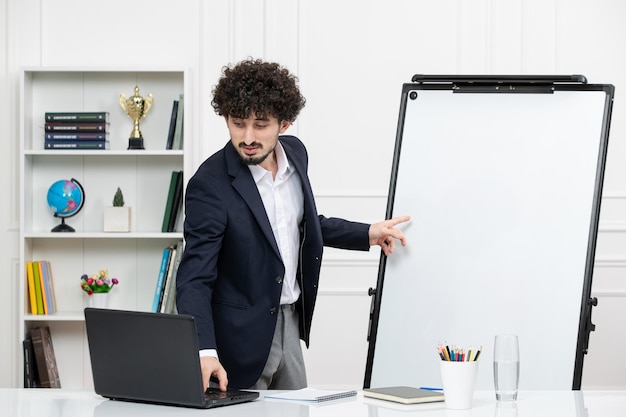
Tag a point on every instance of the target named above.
point(502, 177)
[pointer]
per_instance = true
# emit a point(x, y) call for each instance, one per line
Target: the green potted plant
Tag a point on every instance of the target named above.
point(117, 216)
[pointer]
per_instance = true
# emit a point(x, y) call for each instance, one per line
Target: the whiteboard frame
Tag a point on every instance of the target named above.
point(514, 86)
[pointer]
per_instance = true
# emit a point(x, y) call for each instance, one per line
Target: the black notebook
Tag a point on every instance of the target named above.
point(147, 357)
point(404, 394)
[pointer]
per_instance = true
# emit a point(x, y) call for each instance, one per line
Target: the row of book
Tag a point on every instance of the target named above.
point(175, 132)
point(90, 130)
point(174, 203)
point(165, 291)
point(76, 130)
point(41, 295)
point(40, 367)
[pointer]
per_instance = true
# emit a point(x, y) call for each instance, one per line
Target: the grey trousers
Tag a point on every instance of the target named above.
point(284, 368)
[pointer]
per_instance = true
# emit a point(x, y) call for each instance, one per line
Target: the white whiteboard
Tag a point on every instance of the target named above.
point(503, 190)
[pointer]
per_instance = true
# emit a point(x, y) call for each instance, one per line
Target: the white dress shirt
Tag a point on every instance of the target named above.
point(284, 204)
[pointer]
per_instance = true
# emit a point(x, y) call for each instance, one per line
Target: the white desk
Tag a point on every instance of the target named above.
point(65, 403)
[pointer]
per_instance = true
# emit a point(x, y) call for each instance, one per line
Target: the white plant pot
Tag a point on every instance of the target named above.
point(98, 300)
point(117, 219)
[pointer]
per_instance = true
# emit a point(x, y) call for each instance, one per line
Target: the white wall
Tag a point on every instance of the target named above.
point(352, 57)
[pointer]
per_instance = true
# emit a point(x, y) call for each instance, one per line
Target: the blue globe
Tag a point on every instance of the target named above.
point(65, 198)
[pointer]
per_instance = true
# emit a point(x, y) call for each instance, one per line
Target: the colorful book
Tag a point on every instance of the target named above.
point(168, 279)
point(31, 376)
point(81, 127)
point(172, 129)
point(38, 289)
point(179, 131)
point(50, 277)
point(177, 202)
point(76, 144)
point(77, 116)
point(44, 271)
point(45, 358)
point(32, 294)
point(64, 136)
point(170, 301)
point(45, 293)
point(160, 280)
point(169, 203)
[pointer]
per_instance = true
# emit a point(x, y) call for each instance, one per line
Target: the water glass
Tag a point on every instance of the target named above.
point(506, 409)
point(506, 367)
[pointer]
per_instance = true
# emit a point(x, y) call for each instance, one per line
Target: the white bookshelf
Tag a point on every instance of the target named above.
point(143, 175)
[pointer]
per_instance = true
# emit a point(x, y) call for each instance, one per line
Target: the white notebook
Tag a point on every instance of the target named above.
point(312, 395)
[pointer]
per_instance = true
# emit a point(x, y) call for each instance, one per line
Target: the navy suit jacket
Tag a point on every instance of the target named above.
point(230, 277)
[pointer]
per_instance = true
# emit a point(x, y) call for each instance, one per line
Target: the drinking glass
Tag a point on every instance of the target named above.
point(506, 367)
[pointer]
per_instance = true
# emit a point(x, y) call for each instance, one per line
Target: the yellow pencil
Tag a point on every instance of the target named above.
point(445, 353)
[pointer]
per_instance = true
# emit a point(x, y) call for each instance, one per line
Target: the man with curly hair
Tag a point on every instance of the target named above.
point(254, 240)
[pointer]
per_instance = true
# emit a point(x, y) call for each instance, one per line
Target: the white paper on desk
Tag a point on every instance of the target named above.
point(311, 395)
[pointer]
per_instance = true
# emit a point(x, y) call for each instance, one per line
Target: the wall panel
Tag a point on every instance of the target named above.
point(352, 58)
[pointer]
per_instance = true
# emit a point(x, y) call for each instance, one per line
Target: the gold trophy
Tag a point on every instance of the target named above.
point(136, 107)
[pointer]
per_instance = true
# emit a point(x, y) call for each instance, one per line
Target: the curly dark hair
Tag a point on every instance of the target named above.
point(262, 88)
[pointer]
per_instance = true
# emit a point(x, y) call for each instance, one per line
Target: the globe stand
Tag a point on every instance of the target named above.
point(63, 227)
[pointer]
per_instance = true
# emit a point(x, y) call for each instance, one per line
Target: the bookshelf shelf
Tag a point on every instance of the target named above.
point(103, 235)
point(59, 316)
point(107, 153)
point(143, 175)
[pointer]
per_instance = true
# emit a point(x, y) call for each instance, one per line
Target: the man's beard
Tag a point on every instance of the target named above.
point(254, 160)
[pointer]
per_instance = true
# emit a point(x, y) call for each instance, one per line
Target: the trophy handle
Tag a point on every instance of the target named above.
point(147, 103)
point(123, 101)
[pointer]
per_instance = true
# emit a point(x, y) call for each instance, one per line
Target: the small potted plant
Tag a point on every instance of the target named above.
point(97, 287)
point(117, 217)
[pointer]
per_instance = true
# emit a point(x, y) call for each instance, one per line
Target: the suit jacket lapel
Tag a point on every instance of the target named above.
point(244, 184)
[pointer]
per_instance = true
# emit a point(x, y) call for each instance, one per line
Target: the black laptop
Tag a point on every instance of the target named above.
point(150, 357)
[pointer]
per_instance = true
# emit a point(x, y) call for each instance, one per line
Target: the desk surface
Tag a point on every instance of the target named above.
point(65, 403)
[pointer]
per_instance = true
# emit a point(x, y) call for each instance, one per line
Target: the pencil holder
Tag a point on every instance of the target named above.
point(458, 379)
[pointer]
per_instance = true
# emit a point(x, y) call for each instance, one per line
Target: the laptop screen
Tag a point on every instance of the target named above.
point(144, 356)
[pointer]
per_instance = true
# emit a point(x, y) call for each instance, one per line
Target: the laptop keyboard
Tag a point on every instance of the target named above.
point(215, 394)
